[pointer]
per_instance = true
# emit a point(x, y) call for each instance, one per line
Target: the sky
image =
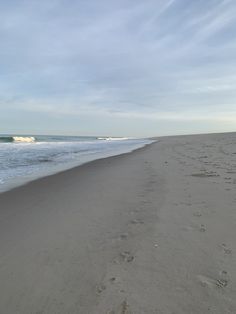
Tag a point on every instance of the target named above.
point(108, 67)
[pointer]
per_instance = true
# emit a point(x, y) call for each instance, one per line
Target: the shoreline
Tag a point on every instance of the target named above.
point(149, 231)
point(21, 181)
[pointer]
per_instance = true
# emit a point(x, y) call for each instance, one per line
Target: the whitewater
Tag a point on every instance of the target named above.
point(25, 158)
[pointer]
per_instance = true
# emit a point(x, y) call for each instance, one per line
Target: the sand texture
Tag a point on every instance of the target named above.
point(153, 231)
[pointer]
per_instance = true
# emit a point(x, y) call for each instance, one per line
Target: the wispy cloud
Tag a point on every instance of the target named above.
point(162, 60)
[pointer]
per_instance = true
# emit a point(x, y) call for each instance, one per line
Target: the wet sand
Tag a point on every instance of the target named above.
point(151, 231)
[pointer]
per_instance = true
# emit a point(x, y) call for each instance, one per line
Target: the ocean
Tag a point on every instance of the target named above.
point(25, 158)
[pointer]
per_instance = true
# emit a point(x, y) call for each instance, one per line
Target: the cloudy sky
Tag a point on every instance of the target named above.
point(108, 67)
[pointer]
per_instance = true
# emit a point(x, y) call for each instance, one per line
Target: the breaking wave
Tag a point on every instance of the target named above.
point(17, 139)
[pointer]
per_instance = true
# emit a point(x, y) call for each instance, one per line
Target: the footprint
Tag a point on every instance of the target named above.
point(100, 288)
point(197, 214)
point(202, 228)
point(113, 279)
point(221, 283)
point(226, 250)
point(124, 236)
point(124, 308)
point(126, 256)
point(211, 283)
point(223, 273)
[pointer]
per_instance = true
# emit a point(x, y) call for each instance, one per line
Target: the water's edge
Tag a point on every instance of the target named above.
point(19, 182)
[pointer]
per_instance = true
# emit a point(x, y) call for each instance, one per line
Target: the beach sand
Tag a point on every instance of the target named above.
point(152, 231)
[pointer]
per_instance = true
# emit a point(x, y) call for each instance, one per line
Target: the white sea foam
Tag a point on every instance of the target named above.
point(26, 139)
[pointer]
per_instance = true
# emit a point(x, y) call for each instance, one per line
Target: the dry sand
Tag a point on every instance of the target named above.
point(153, 231)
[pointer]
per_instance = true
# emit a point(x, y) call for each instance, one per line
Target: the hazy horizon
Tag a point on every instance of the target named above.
point(111, 68)
point(108, 135)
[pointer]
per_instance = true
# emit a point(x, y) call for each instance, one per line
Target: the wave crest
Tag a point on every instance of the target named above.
point(25, 139)
point(17, 139)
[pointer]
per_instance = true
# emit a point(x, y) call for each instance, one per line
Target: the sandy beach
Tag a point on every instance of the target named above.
point(152, 231)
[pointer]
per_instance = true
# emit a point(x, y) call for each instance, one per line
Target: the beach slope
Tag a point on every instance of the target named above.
point(152, 231)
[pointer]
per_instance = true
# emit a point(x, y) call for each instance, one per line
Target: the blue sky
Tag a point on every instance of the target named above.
point(124, 67)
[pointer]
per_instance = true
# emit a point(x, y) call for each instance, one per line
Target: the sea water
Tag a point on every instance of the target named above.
point(24, 158)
